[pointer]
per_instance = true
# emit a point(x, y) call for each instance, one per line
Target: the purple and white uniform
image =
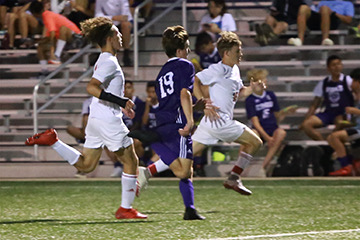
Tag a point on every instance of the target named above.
point(175, 75)
point(263, 107)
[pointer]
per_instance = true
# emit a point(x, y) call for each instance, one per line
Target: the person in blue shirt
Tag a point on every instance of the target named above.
point(263, 111)
point(337, 139)
point(327, 16)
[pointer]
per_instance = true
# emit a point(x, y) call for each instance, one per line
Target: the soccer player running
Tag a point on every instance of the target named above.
point(174, 117)
point(225, 88)
point(105, 126)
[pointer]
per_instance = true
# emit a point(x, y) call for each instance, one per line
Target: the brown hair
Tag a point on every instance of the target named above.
point(227, 41)
point(97, 30)
point(174, 38)
point(219, 3)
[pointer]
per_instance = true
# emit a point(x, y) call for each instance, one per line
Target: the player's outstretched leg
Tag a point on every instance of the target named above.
point(50, 138)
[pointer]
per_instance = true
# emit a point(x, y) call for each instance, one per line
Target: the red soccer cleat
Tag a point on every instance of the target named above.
point(345, 171)
point(124, 213)
point(47, 138)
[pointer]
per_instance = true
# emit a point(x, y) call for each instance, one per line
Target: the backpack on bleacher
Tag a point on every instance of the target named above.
point(312, 157)
point(290, 162)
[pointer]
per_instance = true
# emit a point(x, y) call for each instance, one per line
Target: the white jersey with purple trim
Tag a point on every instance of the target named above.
point(224, 86)
point(108, 71)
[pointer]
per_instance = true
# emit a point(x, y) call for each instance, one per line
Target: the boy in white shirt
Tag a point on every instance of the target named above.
point(105, 126)
point(225, 87)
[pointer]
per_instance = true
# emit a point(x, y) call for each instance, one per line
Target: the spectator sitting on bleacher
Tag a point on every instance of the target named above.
point(59, 30)
point(338, 138)
point(335, 92)
point(22, 21)
point(3, 16)
point(145, 12)
point(327, 16)
point(218, 19)
point(81, 10)
point(119, 12)
point(282, 14)
point(206, 50)
point(263, 111)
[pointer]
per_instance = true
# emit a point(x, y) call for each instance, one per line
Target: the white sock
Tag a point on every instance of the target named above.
point(243, 160)
point(60, 44)
point(128, 183)
point(161, 166)
point(66, 152)
point(43, 65)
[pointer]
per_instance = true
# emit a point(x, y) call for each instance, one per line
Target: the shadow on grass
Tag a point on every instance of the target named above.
point(72, 222)
point(103, 222)
point(172, 213)
point(31, 221)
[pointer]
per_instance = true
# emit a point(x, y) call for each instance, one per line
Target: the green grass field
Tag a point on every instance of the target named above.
point(278, 209)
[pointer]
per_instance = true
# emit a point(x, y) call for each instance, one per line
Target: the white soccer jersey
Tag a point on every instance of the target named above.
point(108, 71)
point(224, 86)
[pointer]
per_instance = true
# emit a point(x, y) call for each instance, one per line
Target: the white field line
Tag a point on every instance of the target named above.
point(288, 234)
point(196, 187)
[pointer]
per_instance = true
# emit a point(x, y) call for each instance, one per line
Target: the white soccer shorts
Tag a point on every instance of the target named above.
point(113, 135)
point(227, 132)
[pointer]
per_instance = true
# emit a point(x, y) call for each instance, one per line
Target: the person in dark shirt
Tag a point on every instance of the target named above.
point(337, 139)
point(174, 116)
point(335, 93)
point(263, 111)
point(206, 50)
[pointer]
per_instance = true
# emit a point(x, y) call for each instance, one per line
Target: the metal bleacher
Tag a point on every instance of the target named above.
point(294, 71)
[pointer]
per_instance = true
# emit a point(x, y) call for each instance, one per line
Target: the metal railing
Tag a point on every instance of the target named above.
point(137, 32)
point(37, 110)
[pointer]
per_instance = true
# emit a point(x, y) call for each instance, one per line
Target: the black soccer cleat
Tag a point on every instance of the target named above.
point(191, 214)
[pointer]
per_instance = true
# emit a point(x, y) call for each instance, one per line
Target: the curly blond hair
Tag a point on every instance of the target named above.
point(97, 30)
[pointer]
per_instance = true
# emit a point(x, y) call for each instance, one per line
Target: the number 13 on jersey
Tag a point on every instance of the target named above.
point(166, 84)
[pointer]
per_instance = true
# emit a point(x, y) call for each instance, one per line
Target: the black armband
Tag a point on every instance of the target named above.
point(121, 101)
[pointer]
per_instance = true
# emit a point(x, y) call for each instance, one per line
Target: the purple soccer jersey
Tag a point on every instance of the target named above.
point(175, 75)
point(263, 107)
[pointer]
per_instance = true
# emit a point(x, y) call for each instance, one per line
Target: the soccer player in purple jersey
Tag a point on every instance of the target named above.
point(174, 116)
point(263, 111)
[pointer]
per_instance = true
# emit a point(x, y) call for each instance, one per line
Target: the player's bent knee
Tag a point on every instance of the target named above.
point(87, 168)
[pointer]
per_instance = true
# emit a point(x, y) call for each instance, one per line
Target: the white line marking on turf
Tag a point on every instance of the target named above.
point(289, 234)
